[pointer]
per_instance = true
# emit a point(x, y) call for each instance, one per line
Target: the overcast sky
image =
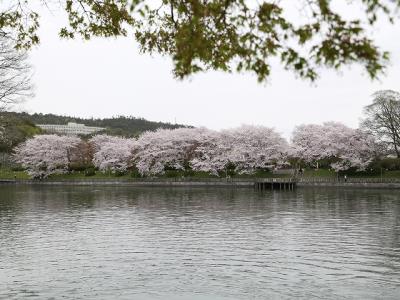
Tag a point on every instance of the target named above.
point(108, 77)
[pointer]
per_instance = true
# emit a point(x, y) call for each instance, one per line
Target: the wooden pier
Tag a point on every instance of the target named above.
point(276, 184)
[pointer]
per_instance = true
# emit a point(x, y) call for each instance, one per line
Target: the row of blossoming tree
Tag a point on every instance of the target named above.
point(244, 150)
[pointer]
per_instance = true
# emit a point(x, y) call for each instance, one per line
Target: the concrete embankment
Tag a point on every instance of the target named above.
point(134, 183)
point(265, 183)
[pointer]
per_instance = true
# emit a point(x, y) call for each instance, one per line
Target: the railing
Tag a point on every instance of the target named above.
point(277, 180)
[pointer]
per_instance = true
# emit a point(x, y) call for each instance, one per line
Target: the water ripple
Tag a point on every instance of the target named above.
point(129, 243)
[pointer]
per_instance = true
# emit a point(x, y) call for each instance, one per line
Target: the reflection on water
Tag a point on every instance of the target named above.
point(154, 243)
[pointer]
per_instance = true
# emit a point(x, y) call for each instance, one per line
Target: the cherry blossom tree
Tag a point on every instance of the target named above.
point(99, 140)
point(306, 143)
point(112, 153)
point(81, 156)
point(256, 147)
point(244, 150)
point(357, 153)
point(248, 148)
point(211, 154)
point(168, 149)
point(44, 155)
point(341, 146)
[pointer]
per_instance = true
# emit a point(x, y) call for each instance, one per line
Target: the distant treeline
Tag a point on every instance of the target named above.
point(119, 125)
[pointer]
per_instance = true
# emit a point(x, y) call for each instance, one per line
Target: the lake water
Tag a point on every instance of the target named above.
point(156, 243)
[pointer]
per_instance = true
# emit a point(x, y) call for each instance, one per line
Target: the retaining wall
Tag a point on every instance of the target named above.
point(210, 182)
point(134, 183)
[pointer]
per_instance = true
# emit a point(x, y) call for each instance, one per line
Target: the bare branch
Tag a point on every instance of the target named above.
point(15, 74)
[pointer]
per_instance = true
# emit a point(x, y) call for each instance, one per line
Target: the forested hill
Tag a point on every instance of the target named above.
point(14, 130)
point(121, 125)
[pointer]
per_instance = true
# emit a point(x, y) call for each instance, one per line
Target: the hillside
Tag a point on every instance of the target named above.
point(14, 130)
point(120, 125)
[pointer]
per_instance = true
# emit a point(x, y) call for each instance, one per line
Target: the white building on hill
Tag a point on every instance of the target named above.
point(70, 129)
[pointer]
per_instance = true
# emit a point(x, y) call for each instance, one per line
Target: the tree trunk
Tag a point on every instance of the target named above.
point(396, 149)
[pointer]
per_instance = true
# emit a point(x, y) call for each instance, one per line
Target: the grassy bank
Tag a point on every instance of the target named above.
point(10, 174)
point(322, 173)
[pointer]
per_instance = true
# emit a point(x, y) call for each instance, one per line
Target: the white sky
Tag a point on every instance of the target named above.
point(108, 77)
